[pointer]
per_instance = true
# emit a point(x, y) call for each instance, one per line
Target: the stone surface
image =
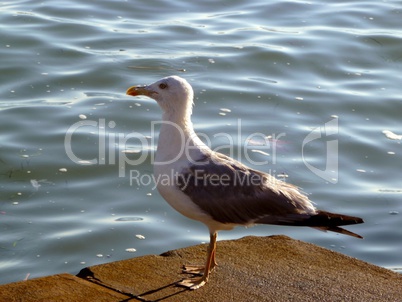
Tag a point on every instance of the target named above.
point(63, 287)
point(275, 268)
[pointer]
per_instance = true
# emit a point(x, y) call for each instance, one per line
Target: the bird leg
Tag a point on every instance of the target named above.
point(194, 283)
point(199, 269)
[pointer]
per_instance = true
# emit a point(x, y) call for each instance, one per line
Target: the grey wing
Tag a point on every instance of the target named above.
point(233, 193)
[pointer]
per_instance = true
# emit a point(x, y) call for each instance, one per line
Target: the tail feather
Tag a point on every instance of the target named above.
point(332, 221)
point(338, 230)
point(322, 220)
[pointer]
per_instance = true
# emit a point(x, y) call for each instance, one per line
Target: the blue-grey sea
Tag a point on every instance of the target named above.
point(309, 91)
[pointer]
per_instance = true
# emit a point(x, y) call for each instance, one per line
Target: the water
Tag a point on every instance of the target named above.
point(280, 69)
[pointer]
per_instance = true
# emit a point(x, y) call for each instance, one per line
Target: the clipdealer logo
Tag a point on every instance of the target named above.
point(325, 133)
point(113, 147)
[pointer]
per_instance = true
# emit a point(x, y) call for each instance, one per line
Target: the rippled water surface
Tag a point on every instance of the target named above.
point(76, 152)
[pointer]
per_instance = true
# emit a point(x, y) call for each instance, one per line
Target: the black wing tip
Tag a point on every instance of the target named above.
point(340, 231)
point(332, 222)
point(333, 219)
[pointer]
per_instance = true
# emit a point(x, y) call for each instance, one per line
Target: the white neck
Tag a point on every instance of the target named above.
point(177, 140)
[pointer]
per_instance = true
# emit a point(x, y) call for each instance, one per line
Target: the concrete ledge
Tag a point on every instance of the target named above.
point(275, 268)
point(63, 287)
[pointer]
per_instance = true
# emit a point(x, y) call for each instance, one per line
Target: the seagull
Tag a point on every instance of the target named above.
point(215, 189)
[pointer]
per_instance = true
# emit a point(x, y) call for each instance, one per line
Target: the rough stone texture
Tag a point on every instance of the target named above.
point(63, 287)
point(275, 268)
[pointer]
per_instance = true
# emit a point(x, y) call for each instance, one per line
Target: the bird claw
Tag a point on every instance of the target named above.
point(193, 283)
point(193, 269)
point(197, 269)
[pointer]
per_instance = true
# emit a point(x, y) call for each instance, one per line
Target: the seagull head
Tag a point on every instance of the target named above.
point(173, 94)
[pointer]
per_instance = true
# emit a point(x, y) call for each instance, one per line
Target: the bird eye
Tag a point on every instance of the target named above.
point(163, 86)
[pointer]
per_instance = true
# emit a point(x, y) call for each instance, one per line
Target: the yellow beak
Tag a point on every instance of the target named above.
point(138, 90)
